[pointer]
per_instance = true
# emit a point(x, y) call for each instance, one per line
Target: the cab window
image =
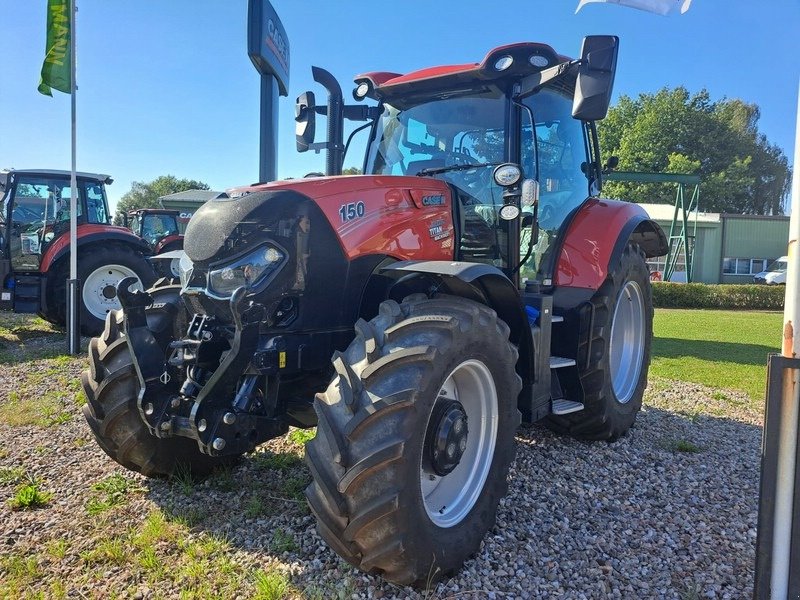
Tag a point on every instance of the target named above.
point(95, 203)
point(554, 148)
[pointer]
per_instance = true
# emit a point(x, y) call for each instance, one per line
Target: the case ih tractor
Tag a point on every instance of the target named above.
point(34, 247)
point(471, 280)
point(159, 228)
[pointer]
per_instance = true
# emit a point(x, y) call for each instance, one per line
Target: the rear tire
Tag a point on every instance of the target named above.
point(377, 501)
point(616, 375)
point(112, 388)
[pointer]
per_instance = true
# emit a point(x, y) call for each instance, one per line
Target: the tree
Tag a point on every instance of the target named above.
point(351, 171)
point(146, 195)
point(672, 131)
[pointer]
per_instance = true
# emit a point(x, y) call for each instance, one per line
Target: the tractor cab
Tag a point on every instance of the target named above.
point(36, 211)
point(523, 107)
point(157, 226)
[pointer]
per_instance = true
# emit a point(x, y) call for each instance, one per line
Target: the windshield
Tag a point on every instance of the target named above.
point(779, 266)
point(441, 134)
point(461, 138)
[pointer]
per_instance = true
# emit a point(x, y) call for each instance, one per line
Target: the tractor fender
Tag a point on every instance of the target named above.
point(474, 281)
point(596, 237)
point(90, 234)
point(169, 243)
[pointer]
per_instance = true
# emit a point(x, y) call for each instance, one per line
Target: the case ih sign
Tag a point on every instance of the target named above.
point(267, 43)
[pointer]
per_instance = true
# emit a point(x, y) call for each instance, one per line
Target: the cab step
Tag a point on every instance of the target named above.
point(556, 319)
point(559, 362)
point(565, 407)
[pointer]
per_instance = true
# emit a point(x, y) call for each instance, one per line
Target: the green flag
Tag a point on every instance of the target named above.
point(56, 67)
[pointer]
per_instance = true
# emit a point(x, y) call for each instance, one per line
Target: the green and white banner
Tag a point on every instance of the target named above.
point(56, 66)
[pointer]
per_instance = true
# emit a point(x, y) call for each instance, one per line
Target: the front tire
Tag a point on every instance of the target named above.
point(388, 495)
point(112, 389)
point(615, 377)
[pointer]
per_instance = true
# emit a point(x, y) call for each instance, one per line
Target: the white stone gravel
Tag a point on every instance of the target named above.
point(632, 519)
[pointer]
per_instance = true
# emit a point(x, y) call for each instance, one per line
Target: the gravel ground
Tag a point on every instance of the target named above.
point(667, 512)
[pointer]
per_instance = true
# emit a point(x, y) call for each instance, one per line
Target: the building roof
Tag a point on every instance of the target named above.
point(665, 212)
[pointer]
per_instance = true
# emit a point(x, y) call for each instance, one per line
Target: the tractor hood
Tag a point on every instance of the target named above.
point(368, 214)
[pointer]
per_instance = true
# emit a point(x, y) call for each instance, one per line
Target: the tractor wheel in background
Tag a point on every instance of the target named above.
point(99, 270)
point(616, 375)
point(112, 388)
point(415, 438)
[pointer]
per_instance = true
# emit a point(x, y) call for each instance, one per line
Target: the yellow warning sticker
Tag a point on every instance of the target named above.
point(282, 360)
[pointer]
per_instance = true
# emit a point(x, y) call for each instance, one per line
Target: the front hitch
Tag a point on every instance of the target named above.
point(216, 414)
point(222, 426)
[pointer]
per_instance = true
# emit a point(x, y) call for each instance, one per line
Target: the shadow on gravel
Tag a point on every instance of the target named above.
point(25, 337)
point(743, 354)
point(669, 511)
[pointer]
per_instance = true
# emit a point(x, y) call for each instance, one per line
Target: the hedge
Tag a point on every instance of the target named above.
point(732, 297)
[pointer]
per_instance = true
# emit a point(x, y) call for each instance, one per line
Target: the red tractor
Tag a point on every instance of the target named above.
point(159, 228)
point(470, 280)
point(34, 247)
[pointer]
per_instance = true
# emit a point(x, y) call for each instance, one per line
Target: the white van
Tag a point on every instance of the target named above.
point(775, 273)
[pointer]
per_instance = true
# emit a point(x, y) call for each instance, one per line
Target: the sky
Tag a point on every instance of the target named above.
point(166, 86)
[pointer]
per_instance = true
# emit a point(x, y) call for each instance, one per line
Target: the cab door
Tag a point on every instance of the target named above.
point(555, 151)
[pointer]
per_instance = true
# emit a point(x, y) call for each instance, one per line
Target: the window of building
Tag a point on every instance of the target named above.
point(743, 266)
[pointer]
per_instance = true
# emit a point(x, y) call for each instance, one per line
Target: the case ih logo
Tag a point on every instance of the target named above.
point(437, 200)
point(278, 45)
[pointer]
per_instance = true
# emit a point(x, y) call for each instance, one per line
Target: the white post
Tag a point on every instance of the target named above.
point(73, 306)
point(790, 402)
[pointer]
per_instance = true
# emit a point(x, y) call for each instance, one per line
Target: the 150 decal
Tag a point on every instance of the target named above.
point(352, 210)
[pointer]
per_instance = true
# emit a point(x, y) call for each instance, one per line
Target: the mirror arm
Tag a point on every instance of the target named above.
point(359, 112)
point(532, 83)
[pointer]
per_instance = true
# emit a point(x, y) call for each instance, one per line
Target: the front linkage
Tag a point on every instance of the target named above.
point(220, 403)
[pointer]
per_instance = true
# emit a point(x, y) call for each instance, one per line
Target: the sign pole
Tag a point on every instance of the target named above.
point(73, 285)
point(268, 49)
point(268, 155)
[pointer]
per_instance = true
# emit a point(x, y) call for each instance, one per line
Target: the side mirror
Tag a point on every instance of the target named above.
point(595, 77)
point(305, 121)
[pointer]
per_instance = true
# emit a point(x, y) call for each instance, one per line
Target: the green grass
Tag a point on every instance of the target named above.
point(24, 338)
point(278, 461)
point(270, 585)
point(283, 542)
point(11, 474)
point(301, 436)
point(113, 492)
point(29, 496)
point(684, 446)
point(717, 348)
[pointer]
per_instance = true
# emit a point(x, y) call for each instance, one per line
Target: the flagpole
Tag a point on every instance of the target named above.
point(73, 287)
point(784, 497)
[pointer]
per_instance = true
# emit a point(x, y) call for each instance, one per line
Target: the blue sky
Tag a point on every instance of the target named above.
point(166, 87)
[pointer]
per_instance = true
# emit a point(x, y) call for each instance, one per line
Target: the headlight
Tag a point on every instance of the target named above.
point(507, 174)
point(185, 268)
point(248, 271)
